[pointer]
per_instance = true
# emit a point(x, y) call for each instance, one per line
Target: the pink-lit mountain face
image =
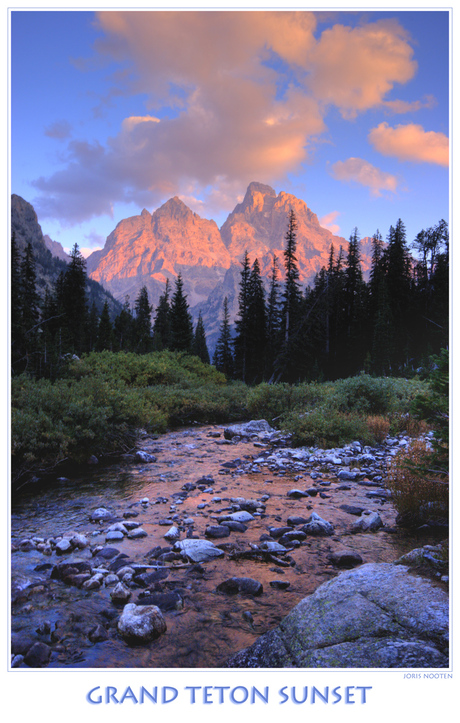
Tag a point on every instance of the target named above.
point(149, 248)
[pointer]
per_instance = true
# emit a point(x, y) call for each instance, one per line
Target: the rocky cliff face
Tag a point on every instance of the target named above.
point(149, 248)
point(49, 263)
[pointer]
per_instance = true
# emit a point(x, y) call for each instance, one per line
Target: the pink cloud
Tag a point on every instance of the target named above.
point(230, 124)
point(327, 221)
point(364, 173)
point(411, 143)
point(354, 68)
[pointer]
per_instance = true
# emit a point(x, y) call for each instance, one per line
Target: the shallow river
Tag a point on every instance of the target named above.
point(211, 625)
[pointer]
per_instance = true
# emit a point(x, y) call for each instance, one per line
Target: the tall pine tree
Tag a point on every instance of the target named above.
point(181, 320)
point(142, 322)
point(200, 348)
point(223, 355)
point(241, 322)
point(162, 322)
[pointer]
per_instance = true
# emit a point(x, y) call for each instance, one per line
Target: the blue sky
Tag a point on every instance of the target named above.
point(115, 111)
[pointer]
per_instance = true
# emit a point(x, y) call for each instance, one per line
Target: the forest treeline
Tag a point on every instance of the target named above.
point(338, 327)
point(342, 325)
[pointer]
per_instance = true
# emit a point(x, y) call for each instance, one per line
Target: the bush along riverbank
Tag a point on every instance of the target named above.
point(104, 398)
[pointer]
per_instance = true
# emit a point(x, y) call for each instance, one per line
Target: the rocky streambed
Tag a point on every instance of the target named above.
point(192, 552)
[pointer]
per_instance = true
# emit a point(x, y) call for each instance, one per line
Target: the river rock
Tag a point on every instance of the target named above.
point(216, 532)
point(346, 558)
point(277, 532)
point(368, 522)
point(94, 582)
point(239, 516)
point(345, 474)
point(247, 429)
point(98, 634)
point(352, 510)
point(294, 520)
point(141, 623)
point(296, 494)
point(377, 616)
point(317, 526)
point(242, 585)
point(145, 457)
point(280, 584)
point(197, 550)
point(120, 593)
point(114, 536)
point(38, 656)
point(272, 546)
point(172, 535)
point(63, 546)
point(137, 534)
point(166, 601)
point(100, 515)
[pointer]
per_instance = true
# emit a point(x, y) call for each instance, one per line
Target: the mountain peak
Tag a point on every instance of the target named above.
point(174, 208)
point(256, 187)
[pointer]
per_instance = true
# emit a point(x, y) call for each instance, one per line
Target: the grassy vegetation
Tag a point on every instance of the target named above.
point(105, 397)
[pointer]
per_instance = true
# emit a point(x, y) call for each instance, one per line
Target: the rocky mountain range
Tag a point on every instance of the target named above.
point(147, 249)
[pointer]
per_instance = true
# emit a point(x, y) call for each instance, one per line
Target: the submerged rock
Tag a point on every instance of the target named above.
point(198, 550)
point(243, 585)
point(368, 522)
point(317, 526)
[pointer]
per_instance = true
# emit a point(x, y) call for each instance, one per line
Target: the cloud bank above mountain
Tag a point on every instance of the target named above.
point(230, 96)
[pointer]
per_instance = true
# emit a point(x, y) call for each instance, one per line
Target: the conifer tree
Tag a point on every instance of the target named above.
point(16, 310)
point(124, 328)
point(162, 322)
point(142, 323)
point(74, 304)
point(105, 330)
point(16, 307)
point(241, 322)
point(289, 356)
point(181, 320)
point(30, 311)
point(256, 327)
point(223, 355)
point(273, 320)
point(291, 295)
point(92, 328)
point(399, 283)
point(200, 348)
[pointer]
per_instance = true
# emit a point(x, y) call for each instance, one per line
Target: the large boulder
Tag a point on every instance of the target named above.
point(376, 616)
point(141, 623)
point(248, 429)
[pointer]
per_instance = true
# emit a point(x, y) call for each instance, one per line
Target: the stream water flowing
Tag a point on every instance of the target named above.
point(210, 625)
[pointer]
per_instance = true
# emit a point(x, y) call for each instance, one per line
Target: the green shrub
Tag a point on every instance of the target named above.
point(205, 404)
point(272, 401)
point(143, 370)
point(326, 428)
point(75, 418)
